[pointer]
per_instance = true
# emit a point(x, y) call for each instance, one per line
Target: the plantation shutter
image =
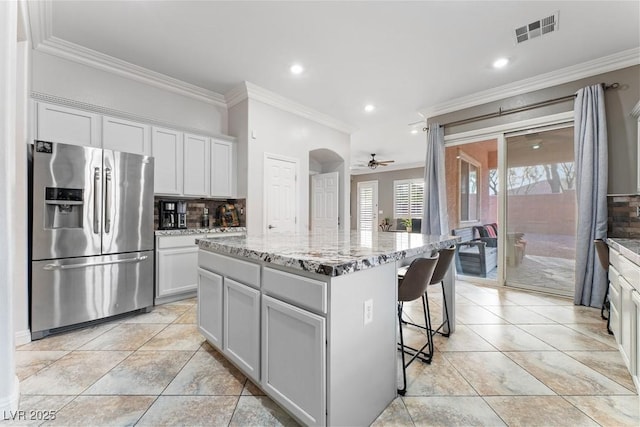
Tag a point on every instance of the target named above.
point(417, 198)
point(401, 199)
point(365, 208)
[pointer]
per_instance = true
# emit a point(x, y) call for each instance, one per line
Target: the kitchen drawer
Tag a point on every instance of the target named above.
point(626, 268)
point(300, 291)
point(180, 241)
point(242, 271)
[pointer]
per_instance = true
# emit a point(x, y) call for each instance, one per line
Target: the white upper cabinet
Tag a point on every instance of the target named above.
point(166, 148)
point(125, 135)
point(197, 164)
point(67, 125)
point(185, 164)
point(223, 168)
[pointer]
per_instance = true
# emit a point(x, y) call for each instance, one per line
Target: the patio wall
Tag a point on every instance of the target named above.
point(541, 213)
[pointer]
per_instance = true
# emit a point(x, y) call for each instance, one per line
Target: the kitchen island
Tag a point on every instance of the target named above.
point(311, 318)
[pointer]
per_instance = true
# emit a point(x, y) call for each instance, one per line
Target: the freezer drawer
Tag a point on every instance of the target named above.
point(69, 291)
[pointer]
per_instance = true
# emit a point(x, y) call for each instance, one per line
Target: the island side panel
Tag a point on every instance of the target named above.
point(361, 358)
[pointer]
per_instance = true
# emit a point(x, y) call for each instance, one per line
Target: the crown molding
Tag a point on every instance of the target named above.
point(41, 20)
point(92, 58)
point(626, 58)
point(248, 90)
point(43, 40)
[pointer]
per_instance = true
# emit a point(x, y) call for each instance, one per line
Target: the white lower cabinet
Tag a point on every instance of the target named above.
point(635, 297)
point(624, 295)
point(210, 317)
point(627, 318)
point(294, 359)
point(176, 267)
point(241, 337)
point(614, 302)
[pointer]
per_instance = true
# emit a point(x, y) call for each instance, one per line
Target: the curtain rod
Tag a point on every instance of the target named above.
point(502, 112)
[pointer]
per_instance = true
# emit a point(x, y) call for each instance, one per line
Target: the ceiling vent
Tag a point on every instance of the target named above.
point(537, 28)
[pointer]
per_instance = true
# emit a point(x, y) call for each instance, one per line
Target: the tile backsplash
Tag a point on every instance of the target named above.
point(195, 209)
point(623, 220)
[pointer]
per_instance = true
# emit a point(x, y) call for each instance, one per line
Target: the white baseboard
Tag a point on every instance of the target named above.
point(176, 297)
point(23, 337)
point(9, 404)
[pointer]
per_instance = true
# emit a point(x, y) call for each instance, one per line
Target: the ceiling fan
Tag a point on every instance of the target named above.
point(373, 163)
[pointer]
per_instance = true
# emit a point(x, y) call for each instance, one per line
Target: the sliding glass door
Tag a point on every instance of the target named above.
point(472, 203)
point(540, 226)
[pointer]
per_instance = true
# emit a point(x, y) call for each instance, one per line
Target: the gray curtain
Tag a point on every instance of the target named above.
point(590, 134)
point(434, 217)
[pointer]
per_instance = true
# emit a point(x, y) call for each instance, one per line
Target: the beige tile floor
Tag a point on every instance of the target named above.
point(517, 359)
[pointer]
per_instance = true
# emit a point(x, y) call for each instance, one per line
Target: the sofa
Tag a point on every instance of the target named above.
point(476, 255)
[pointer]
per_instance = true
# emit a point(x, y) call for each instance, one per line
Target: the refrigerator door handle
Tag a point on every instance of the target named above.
point(93, 264)
point(107, 200)
point(96, 202)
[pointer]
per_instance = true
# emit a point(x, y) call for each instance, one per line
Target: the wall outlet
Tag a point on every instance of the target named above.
point(368, 311)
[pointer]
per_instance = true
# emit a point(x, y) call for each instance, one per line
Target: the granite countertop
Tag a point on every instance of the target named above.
point(187, 231)
point(331, 254)
point(630, 248)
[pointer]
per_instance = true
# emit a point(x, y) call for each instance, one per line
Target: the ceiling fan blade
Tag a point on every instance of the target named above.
point(385, 162)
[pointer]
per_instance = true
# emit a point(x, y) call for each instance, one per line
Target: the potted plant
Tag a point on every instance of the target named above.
point(407, 224)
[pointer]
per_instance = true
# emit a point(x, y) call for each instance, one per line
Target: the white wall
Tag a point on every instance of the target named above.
point(239, 127)
point(290, 135)
point(9, 385)
point(20, 211)
point(59, 77)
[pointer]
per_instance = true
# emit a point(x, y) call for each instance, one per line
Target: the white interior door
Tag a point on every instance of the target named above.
point(367, 205)
point(280, 207)
point(324, 202)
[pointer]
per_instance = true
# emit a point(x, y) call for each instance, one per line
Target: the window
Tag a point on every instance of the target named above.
point(469, 196)
point(408, 198)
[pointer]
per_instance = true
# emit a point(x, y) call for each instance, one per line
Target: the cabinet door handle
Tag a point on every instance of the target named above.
point(271, 226)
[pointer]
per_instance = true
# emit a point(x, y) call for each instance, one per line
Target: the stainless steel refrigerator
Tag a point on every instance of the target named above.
point(91, 235)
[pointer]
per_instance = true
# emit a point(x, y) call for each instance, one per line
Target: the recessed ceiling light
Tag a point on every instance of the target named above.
point(296, 69)
point(500, 63)
point(535, 146)
point(414, 131)
point(369, 108)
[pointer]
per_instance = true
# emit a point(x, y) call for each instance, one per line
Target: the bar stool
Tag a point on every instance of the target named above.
point(412, 286)
point(602, 249)
point(444, 261)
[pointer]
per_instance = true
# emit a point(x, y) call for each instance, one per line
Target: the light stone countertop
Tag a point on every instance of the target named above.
point(331, 254)
point(630, 248)
point(188, 231)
